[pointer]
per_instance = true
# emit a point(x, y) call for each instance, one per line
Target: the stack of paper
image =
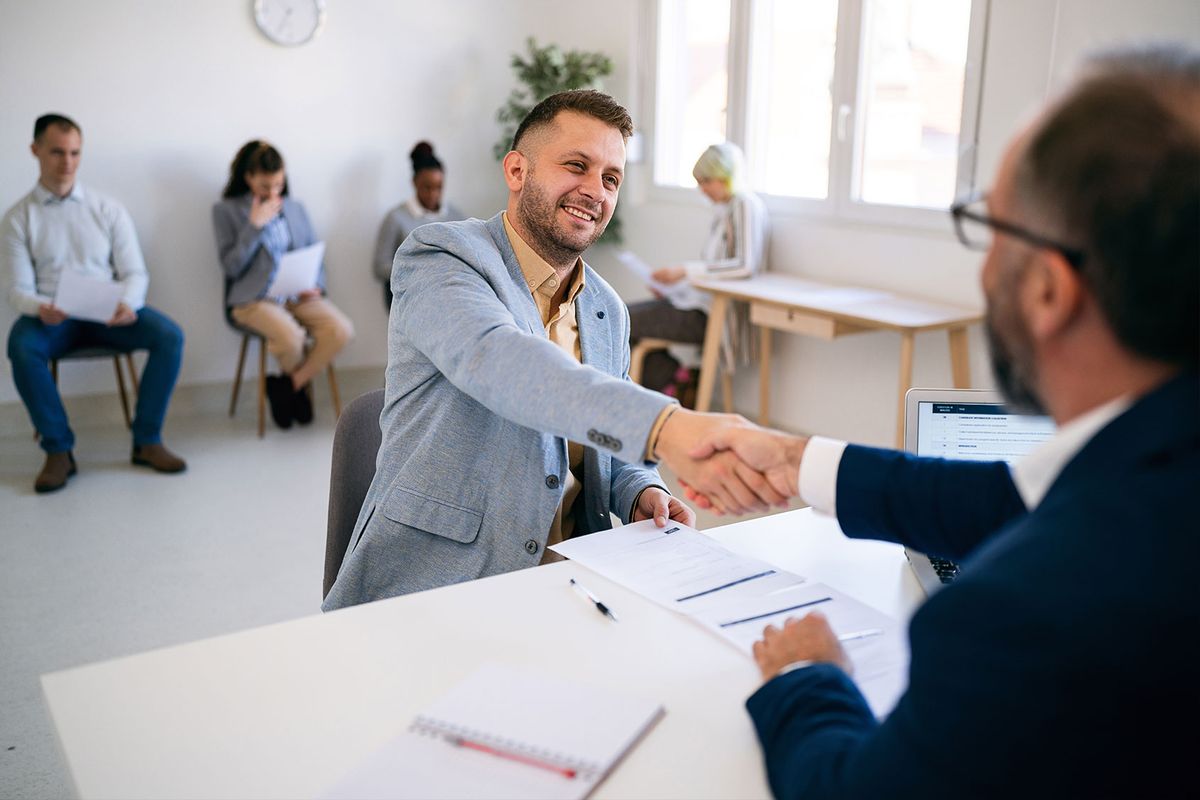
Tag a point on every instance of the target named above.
point(737, 597)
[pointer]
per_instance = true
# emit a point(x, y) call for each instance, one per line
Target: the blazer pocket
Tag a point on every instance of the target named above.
point(431, 515)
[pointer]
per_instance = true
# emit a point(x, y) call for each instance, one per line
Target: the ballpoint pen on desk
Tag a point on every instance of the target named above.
point(603, 609)
point(863, 634)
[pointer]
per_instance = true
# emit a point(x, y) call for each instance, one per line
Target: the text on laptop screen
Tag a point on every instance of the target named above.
point(978, 431)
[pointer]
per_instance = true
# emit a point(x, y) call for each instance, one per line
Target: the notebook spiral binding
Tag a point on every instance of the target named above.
point(439, 729)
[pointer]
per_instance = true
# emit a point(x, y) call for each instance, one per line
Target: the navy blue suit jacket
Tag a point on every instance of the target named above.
point(1063, 661)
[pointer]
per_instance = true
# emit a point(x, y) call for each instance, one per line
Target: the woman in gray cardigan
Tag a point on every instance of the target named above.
point(424, 206)
point(255, 224)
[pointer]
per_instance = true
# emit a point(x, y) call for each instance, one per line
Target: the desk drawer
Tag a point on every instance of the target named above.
point(802, 322)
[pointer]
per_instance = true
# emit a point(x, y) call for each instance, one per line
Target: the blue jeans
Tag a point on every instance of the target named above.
point(32, 345)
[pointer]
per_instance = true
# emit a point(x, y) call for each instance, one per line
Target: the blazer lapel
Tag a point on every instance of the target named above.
point(595, 333)
point(528, 311)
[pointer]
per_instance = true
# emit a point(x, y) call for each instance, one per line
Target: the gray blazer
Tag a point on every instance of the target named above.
point(478, 407)
point(247, 265)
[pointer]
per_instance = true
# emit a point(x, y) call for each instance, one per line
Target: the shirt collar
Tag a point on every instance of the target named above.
point(45, 196)
point(1035, 473)
point(540, 277)
point(416, 209)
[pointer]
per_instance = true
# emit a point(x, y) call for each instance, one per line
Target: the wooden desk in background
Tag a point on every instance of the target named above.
point(827, 311)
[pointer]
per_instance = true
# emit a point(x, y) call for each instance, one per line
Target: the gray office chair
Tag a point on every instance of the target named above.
point(355, 444)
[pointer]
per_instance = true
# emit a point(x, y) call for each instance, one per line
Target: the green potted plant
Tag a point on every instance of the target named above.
point(541, 72)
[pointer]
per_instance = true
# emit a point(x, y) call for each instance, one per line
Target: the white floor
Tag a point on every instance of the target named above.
point(125, 560)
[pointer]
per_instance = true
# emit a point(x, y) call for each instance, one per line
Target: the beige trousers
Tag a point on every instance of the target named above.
point(287, 327)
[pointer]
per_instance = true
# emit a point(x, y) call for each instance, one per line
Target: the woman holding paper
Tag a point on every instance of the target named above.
point(736, 247)
point(256, 223)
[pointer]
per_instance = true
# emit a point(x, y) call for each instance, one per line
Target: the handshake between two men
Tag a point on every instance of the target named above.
point(729, 465)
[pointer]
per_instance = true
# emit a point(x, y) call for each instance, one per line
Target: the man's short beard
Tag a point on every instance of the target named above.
point(538, 214)
point(1010, 347)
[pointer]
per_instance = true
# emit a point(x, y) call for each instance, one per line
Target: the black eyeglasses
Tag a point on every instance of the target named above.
point(974, 229)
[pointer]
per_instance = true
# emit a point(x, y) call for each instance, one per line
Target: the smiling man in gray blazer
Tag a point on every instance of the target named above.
point(509, 422)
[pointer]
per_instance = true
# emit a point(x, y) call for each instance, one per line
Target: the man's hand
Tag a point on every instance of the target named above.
point(51, 314)
point(654, 503)
point(773, 454)
point(308, 294)
point(807, 639)
point(124, 315)
point(669, 275)
point(727, 483)
point(263, 211)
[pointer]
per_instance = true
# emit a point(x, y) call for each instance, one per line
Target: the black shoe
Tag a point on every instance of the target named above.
point(279, 393)
point(302, 405)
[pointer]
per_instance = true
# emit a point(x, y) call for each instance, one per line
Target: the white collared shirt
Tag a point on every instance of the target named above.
point(43, 234)
point(1033, 475)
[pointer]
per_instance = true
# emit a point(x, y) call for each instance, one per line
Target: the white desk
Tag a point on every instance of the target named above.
point(284, 710)
point(829, 311)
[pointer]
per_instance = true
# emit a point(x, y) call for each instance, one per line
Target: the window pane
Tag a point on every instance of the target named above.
point(910, 104)
point(791, 103)
point(693, 81)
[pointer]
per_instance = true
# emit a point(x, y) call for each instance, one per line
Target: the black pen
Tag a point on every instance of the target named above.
point(603, 609)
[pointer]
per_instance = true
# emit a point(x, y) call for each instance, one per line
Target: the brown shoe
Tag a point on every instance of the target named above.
point(54, 474)
point(158, 458)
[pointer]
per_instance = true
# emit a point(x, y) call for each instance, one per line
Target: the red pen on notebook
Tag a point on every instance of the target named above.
point(533, 762)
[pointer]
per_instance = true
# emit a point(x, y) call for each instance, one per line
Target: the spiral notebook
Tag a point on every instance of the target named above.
point(506, 732)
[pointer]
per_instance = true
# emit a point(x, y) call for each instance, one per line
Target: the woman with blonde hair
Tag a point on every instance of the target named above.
point(736, 247)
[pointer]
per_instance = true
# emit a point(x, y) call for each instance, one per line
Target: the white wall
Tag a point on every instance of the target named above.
point(166, 92)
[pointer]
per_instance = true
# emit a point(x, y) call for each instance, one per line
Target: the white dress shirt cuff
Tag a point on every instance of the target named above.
point(818, 473)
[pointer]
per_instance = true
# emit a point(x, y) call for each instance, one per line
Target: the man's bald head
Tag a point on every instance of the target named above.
point(1113, 169)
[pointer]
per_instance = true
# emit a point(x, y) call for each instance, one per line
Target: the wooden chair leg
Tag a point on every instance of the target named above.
point(727, 391)
point(121, 389)
point(133, 376)
point(333, 390)
point(237, 377)
point(262, 387)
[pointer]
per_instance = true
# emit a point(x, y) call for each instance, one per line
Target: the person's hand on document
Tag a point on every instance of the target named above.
point(723, 479)
point(654, 503)
point(807, 640)
point(51, 314)
point(669, 275)
point(124, 315)
point(774, 455)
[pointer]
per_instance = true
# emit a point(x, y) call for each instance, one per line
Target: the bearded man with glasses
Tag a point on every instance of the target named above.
point(1061, 659)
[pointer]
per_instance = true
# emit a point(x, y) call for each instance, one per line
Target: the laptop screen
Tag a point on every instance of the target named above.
point(978, 431)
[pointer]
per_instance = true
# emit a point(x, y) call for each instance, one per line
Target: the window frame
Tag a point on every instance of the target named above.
point(845, 132)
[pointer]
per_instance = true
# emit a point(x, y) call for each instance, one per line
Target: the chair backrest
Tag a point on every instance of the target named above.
point(355, 444)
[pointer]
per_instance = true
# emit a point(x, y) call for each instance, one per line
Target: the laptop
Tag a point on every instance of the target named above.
point(969, 425)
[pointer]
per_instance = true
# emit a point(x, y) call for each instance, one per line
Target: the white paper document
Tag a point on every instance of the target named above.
point(87, 297)
point(645, 271)
point(506, 732)
point(298, 271)
point(737, 597)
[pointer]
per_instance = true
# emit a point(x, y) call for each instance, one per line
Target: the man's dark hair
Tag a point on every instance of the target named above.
point(58, 120)
point(255, 156)
point(1115, 167)
point(584, 101)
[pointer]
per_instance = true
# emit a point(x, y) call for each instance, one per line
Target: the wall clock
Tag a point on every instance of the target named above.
point(289, 22)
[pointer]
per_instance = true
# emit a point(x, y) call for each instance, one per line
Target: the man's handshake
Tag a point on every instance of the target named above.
point(729, 465)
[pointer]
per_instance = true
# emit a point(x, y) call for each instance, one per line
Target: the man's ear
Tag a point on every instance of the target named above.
point(1052, 294)
point(33, 148)
point(515, 167)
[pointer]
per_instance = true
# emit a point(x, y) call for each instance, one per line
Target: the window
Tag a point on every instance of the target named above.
point(861, 108)
point(693, 85)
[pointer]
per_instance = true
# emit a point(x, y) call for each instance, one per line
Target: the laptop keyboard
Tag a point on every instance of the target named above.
point(946, 571)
